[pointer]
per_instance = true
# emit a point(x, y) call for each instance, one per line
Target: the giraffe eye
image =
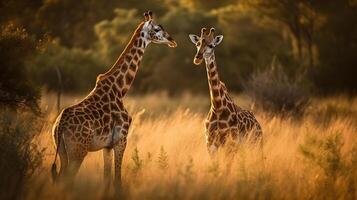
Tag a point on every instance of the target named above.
point(210, 46)
point(156, 30)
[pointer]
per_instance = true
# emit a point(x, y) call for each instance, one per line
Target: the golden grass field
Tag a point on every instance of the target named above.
point(312, 157)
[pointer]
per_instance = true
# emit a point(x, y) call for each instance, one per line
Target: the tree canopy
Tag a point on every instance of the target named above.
point(315, 40)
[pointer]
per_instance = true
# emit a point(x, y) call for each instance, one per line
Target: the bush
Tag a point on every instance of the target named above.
point(274, 91)
point(137, 161)
point(16, 87)
point(78, 68)
point(20, 158)
point(113, 35)
point(338, 167)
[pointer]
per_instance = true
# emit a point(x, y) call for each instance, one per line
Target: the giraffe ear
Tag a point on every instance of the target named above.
point(194, 38)
point(218, 39)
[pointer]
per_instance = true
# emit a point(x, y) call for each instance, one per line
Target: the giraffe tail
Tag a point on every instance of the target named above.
point(54, 172)
point(54, 166)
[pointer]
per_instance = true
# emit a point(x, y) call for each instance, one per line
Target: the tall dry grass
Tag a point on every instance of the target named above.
point(313, 157)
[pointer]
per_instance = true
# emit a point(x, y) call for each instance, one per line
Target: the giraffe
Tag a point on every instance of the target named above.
point(225, 119)
point(100, 121)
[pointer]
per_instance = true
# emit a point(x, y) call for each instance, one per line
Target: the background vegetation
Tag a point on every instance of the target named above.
point(314, 40)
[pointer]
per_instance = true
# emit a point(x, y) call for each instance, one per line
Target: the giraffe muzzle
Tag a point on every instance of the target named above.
point(197, 60)
point(172, 43)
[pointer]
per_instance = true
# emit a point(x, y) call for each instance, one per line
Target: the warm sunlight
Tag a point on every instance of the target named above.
point(178, 99)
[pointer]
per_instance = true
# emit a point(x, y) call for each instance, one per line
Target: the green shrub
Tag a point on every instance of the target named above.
point(176, 64)
point(338, 167)
point(17, 89)
point(137, 161)
point(275, 91)
point(114, 34)
point(20, 157)
point(325, 153)
point(78, 68)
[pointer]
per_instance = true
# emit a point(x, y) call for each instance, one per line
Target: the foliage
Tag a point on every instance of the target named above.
point(113, 35)
point(162, 159)
point(205, 5)
point(73, 22)
point(307, 36)
point(176, 64)
point(159, 7)
point(19, 12)
point(78, 68)
point(337, 42)
point(137, 162)
point(17, 88)
point(326, 153)
point(323, 35)
point(298, 18)
point(245, 50)
point(274, 91)
point(20, 157)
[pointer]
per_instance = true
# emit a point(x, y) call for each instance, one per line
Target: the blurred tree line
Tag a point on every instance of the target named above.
point(314, 40)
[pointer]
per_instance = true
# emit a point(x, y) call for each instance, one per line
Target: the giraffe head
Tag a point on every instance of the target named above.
point(155, 33)
point(205, 44)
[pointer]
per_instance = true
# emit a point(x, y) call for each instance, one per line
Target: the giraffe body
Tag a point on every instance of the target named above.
point(94, 127)
point(225, 119)
point(100, 120)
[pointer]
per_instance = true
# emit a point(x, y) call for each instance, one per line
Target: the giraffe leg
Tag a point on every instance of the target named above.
point(74, 165)
point(75, 154)
point(261, 148)
point(72, 169)
point(63, 157)
point(118, 158)
point(108, 161)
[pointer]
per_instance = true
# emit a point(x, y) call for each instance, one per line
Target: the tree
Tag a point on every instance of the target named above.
point(158, 7)
point(73, 21)
point(114, 34)
point(78, 68)
point(297, 16)
point(337, 45)
point(205, 5)
point(16, 87)
point(19, 12)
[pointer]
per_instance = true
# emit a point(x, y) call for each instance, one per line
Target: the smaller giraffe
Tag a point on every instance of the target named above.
point(225, 119)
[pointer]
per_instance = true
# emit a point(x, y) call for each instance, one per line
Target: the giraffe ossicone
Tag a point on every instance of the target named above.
point(100, 120)
point(225, 119)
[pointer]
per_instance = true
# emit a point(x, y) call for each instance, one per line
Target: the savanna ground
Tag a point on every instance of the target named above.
point(310, 157)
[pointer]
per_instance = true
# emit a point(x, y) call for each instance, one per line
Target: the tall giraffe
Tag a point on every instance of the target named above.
point(225, 119)
point(100, 120)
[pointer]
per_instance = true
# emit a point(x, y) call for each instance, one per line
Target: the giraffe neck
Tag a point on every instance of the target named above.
point(121, 75)
point(215, 88)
